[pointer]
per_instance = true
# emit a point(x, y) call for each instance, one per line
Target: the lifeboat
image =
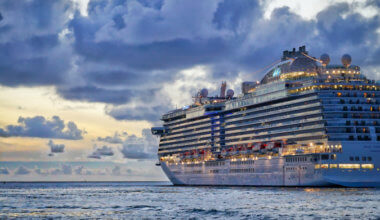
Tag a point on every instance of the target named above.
point(263, 147)
point(182, 155)
point(270, 146)
point(277, 146)
point(202, 152)
point(187, 154)
point(243, 149)
point(231, 151)
point(256, 147)
point(194, 154)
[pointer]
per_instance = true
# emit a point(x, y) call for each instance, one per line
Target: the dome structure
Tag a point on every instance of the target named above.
point(346, 60)
point(325, 58)
point(204, 93)
point(303, 64)
point(230, 93)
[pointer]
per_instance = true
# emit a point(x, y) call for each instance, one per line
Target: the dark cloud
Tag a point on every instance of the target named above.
point(4, 171)
point(124, 51)
point(32, 53)
point(140, 148)
point(137, 113)
point(101, 152)
point(40, 127)
point(22, 171)
point(56, 148)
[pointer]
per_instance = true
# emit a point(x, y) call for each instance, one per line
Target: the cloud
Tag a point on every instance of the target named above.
point(40, 127)
point(101, 152)
point(140, 148)
point(126, 112)
point(41, 171)
point(228, 37)
point(22, 171)
point(4, 171)
point(65, 169)
point(116, 171)
point(56, 148)
point(92, 93)
point(115, 139)
point(78, 170)
point(123, 53)
point(33, 53)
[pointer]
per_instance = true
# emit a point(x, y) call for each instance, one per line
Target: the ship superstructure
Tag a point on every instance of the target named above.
point(306, 123)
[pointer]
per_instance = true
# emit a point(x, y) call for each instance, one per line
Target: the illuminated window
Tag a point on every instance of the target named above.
point(324, 166)
point(317, 166)
point(332, 166)
point(367, 166)
point(349, 166)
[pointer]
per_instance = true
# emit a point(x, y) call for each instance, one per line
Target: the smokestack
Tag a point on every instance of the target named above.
point(223, 90)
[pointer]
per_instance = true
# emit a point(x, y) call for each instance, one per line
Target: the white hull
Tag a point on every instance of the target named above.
point(298, 170)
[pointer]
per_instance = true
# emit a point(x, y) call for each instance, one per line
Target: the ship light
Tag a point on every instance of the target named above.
point(324, 166)
point(367, 166)
point(349, 166)
point(332, 166)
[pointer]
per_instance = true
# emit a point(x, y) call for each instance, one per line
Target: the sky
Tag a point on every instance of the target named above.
point(82, 82)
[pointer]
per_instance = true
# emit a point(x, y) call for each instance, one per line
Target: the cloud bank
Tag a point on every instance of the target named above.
point(140, 148)
point(123, 53)
point(40, 127)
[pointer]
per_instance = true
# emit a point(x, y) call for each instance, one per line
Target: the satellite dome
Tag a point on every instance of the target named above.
point(204, 93)
point(230, 93)
point(325, 58)
point(346, 60)
point(303, 64)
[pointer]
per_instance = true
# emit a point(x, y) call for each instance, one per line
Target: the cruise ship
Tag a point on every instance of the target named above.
point(306, 123)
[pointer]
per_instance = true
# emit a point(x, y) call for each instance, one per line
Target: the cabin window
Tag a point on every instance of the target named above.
point(324, 156)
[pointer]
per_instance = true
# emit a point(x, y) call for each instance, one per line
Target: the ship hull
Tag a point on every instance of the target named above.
point(296, 170)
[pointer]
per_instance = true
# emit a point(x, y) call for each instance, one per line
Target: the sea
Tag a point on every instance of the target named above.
point(161, 200)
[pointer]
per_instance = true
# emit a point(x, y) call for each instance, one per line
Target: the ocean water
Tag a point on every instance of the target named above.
point(161, 200)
